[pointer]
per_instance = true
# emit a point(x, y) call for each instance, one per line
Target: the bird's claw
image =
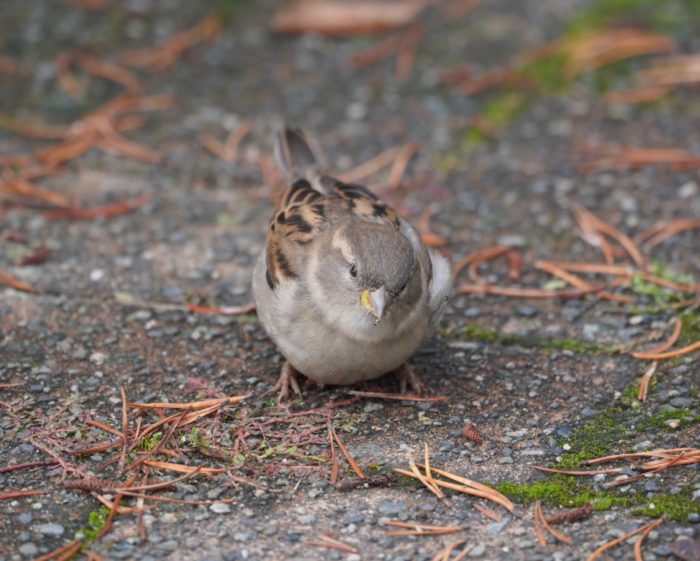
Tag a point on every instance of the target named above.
point(408, 378)
point(287, 380)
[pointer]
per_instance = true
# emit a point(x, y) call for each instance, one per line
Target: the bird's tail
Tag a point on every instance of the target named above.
point(296, 154)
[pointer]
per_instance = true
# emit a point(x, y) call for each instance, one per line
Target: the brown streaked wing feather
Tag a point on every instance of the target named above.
point(298, 218)
point(362, 202)
point(304, 211)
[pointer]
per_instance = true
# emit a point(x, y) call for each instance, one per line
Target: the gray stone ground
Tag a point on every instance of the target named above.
point(77, 341)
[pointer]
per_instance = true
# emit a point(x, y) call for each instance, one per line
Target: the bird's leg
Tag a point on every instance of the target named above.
point(408, 378)
point(287, 379)
point(314, 384)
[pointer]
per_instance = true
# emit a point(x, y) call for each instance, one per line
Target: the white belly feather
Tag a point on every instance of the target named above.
point(326, 354)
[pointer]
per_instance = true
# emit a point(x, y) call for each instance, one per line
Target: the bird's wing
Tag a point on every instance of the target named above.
point(308, 209)
point(440, 286)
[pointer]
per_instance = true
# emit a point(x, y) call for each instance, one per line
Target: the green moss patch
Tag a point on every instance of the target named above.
point(564, 491)
point(496, 114)
point(594, 439)
point(668, 16)
point(96, 521)
point(672, 507)
point(659, 419)
point(476, 333)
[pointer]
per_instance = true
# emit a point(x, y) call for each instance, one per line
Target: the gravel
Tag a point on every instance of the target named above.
point(78, 341)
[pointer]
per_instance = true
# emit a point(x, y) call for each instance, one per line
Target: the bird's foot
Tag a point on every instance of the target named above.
point(314, 384)
point(408, 379)
point(287, 380)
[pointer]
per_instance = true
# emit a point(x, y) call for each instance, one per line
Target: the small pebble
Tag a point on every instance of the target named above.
point(52, 529)
point(28, 549)
point(391, 507)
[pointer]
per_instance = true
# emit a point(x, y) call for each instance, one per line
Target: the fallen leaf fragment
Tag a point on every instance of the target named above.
point(337, 18)
point(95, 5)
point(600, 48)
point(686, 548)
point(37, 256)
point(611, 158)
point(6, 495)
point(671, 71)
point(107, 211)
point(9, 280)
point(8, 65)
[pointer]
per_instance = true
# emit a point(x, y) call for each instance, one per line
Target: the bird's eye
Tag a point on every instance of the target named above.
point(403, 286)
point(353, 270)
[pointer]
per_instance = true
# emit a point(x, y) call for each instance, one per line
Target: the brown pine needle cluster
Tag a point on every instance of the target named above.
point(416, 529)
point(62, 553)
point(403, 45)
point(337, 19)
point(600, 48)
point(582, 53)
point(643, 530)
point(542, 525)
point(333, 439)
point(145, 442)
point(488, 512)
point(662, 460)
point(17, 284)
point(103, 129)
point(660, 78)
point(446, 552)
point(396, 159)
point(624, 262)
point(328, 542)
point(7, 495)
point(227, 150)
point(451, 481)
point(602, 157)
point(157, 59)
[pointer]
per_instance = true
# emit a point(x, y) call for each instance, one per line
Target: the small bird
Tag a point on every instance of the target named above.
point(344, 287)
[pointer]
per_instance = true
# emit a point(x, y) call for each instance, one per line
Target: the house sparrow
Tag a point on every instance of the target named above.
point(344, 287)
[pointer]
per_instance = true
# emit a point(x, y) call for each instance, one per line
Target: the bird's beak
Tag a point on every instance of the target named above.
point(374, 301)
